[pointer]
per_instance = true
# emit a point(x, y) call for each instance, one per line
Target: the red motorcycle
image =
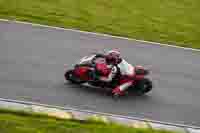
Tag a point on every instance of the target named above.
point(82, 73)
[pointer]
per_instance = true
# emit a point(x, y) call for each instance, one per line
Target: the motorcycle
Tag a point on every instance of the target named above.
point(82, 73)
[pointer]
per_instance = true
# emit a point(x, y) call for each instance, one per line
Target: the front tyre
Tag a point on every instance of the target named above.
point(69, 76)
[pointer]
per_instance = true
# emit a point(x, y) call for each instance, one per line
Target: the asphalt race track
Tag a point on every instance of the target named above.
point(32, 66)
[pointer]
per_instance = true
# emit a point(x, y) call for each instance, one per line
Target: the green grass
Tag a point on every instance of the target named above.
point(21, 122)
point(167, 21)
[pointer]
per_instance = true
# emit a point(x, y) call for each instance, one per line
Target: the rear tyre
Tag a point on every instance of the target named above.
point(115, 97)
point(144, 86)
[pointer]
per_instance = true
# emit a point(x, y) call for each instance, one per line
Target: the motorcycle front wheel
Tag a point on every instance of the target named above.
point(69, 76)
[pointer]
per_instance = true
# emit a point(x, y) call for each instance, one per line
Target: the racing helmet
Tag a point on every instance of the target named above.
point(113, 57)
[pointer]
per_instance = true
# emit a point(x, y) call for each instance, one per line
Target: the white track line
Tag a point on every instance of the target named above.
point(99, 34)
point(100, 113)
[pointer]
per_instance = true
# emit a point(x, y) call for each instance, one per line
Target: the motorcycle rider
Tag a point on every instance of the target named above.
point(121, 68)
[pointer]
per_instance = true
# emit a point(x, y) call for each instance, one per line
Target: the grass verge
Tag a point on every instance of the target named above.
point(22, 122)
point(174, 22)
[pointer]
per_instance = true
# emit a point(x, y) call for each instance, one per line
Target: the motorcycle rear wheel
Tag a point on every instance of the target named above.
point(143, 86)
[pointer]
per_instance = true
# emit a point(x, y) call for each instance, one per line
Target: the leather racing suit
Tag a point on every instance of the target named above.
point(127, 72)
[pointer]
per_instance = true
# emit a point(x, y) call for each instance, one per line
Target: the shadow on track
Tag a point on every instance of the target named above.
point(104, 92)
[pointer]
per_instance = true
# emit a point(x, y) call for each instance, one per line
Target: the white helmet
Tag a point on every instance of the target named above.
point(113, 56)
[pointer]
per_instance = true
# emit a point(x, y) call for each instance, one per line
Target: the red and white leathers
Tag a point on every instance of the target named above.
point(127, 72)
